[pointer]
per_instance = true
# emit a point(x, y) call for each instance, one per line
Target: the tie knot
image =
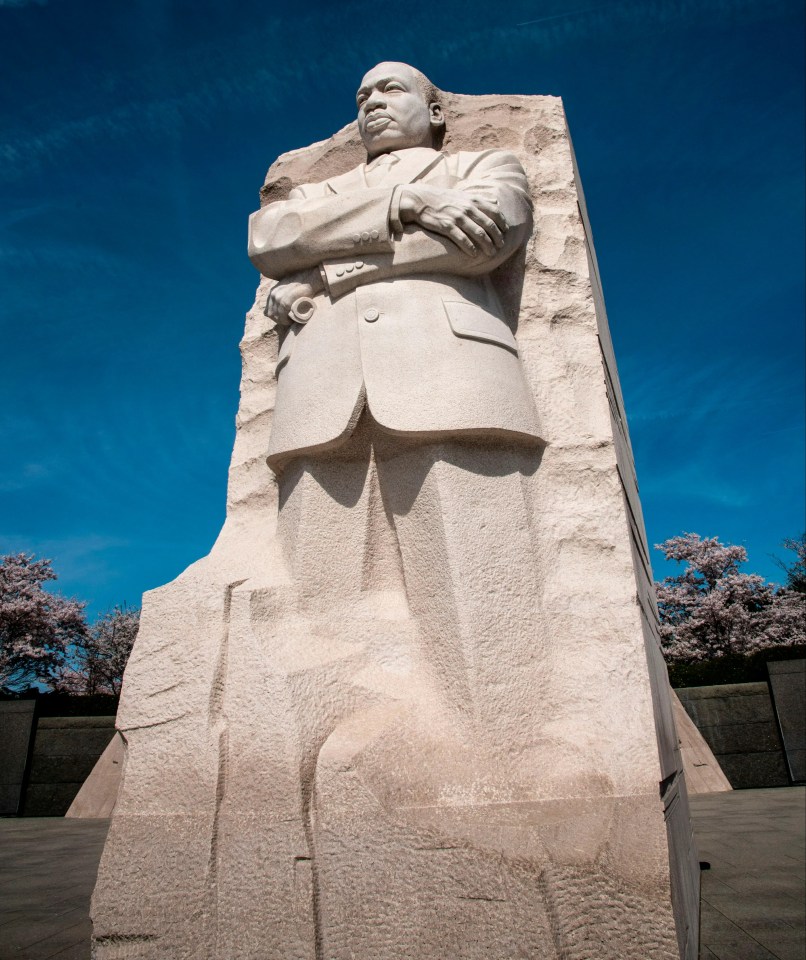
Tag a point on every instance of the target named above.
point(383, 161)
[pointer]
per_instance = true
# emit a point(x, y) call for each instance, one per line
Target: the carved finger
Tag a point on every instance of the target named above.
point(275, 307)
point(281, 319)
point(268, 310)
point(462, 240)
point(479, 234)
point(490, 227)
point(490, 208)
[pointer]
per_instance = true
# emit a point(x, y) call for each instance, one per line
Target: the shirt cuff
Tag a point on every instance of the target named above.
point(395, 223)
point(323, 275)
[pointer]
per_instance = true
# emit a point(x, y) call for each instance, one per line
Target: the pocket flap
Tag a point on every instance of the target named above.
point(469, 320)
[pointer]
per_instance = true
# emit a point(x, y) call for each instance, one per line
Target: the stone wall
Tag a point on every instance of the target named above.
point(788, 685)
point(64, 752)
point(16, 728)
point(738, 722)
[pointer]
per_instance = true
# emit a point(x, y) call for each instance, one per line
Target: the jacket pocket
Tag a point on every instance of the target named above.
point(469, 320)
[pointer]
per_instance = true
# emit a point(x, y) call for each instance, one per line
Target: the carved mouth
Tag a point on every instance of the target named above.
point(378, 121)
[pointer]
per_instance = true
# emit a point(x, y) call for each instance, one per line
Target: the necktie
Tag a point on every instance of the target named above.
point(377, 170)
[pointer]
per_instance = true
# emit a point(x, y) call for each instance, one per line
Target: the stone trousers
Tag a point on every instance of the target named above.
point(439, 532)
point(416, 577)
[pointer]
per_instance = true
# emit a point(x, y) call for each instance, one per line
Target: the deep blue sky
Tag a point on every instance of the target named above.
point(135, 137)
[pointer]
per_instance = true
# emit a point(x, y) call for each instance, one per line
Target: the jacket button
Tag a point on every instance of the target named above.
point(356, 238)
point(374, 234)
point(371, 315)
point(365, 236)
point(359, 264)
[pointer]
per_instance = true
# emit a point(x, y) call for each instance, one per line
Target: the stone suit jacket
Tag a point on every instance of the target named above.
point(408, 325)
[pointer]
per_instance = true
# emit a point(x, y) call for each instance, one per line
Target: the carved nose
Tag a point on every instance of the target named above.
point(373, 101)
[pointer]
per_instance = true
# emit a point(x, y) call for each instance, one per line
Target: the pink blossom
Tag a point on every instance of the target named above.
point(36, 626)
point(712, 609)
point(97, 661)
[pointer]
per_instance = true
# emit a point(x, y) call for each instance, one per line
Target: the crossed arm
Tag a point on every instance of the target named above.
point(335, 243)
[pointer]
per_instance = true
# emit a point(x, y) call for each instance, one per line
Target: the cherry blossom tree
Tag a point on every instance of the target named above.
point(97, 661)
point(36, 626)
point(712, 609)
point(795, 570)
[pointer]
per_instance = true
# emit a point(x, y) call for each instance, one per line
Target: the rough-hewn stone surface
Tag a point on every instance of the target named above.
point(295, 785)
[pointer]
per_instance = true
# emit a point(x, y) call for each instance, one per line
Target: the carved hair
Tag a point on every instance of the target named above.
point(431, 94)
point(429, 91)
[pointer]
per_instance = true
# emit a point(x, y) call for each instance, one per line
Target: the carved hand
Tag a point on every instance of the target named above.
point(306, 283)
point(474, 224)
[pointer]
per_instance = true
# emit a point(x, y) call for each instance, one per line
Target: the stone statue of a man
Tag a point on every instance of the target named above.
point(403, 429)
point(398, 255)
point(409, 371)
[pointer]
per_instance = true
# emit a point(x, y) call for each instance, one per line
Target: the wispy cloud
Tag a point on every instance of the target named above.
point(702, 480)
point(197, 78)
point(600, 21)
point(87, 456)
point(25, 476)
point(76, 259)
point(556, 16)
point(233, 68)
point(75, 559)
point(699, 428)
point(619, 13)
point(701, 391)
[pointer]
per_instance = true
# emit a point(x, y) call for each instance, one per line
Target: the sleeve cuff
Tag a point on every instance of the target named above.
point(343, 275)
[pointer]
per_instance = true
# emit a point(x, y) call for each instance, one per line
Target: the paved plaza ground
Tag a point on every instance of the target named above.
point(753, 897)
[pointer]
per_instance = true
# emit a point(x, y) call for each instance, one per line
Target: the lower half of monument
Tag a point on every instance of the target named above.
point(385, 753)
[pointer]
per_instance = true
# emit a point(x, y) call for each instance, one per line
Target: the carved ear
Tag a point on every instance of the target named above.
point(437, 116)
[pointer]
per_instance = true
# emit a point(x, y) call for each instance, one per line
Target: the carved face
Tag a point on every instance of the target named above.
point(392, 111)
